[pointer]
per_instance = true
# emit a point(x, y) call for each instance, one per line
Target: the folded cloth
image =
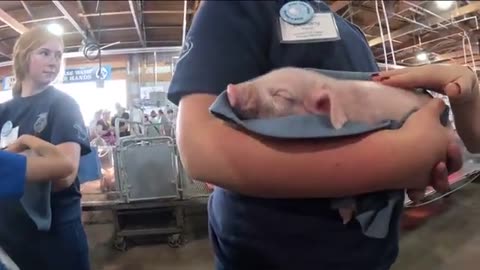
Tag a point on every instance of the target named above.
point(36, 202)
point(372, 211)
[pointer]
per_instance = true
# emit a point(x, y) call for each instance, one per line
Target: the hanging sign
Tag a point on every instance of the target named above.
point(8, 82)
point(72, 75)
point(87, 74)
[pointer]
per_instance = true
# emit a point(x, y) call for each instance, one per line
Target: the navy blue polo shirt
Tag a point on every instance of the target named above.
point(54, 117)
point(234, 41)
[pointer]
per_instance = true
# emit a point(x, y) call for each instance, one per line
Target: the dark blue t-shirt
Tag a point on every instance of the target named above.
point(234, 41)
point(54, 117)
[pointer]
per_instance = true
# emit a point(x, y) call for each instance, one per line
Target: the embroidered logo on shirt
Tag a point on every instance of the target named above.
point(81, 132)
point(187, 47)
point(7, 128)
point(41, 123)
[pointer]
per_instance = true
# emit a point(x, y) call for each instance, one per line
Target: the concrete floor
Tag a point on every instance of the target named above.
point(448, 241)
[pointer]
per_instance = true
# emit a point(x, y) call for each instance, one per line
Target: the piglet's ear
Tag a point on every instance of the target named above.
point(326, 103)
point(318, 103)
point(232, 94)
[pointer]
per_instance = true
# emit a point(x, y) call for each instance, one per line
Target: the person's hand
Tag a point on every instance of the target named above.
point(434, 147)
point(31, 145)
point(457, 82)
point(19, 145)
point(439, 176)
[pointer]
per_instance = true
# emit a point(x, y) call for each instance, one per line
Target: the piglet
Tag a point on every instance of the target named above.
point(296, 91)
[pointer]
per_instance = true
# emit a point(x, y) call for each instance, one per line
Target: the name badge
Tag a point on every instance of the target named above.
point(320, 28)
point(9, 134)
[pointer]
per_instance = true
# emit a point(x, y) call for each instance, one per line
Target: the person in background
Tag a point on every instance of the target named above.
point(137, 117)
point(153, 117)
point(165, 125)
point(40, 110)
point(171, 116)
point(153, 129)
point(30, 159)
point(104, 129)
point(92, 127)
point(271, 206)
point(162, 117)
point(122, 114)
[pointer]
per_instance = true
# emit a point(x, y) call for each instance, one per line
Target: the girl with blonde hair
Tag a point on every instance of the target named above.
point(43, 230)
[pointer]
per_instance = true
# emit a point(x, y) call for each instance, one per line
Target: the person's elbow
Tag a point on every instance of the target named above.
point(67, 169)
point(192, 156)
point(195, 140)
point(68, 163)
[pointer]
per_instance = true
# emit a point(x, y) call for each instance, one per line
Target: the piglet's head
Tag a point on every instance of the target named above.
point(243, 98)
point(254, 100)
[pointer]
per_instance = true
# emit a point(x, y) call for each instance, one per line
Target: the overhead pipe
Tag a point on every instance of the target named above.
point(381, 33)
point(413, 21)
point(396, 13)
point(126, 29)
point(465, 34)
point(383, 66)
point(36, 20)
point(155, 67)
point(184, 28)
point(347, 11)
point(463, 20)
point(430, 41)
point(70, 55)
point(471, 51)
point(428, 11)
point(114, 13)
point(27, 9)
point(388, 33)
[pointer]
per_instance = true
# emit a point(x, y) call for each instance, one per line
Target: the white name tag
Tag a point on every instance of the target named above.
point(321, 27)
point(11, 137)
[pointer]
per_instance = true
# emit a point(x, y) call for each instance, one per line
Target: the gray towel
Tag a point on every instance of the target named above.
point(373, 211)
point(36, 202)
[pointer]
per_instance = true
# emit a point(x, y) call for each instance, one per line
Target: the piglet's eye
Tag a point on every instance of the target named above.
point(284, 94)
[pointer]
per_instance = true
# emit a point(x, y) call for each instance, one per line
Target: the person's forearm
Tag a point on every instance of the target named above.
point(47, 168)
point(47, 163)
point(269, 168)
point(213, 152)
point(467, 123)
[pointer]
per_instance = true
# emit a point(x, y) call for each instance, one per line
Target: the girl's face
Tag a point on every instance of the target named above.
point(45, 62)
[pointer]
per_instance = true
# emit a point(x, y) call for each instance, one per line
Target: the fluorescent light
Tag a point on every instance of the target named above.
point(444, 4)
point(422, 56)
point(55, 29)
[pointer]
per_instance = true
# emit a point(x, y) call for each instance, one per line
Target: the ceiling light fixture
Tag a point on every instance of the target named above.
point(55, 29)
point(444, 5)
point(422, 56)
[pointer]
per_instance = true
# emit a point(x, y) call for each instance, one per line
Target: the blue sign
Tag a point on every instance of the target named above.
point(8, 82)
point(72, 75)
point(87, 74)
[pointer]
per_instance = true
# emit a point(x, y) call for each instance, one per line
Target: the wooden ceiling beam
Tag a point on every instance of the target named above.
point(337, 5)
point(27, 9)
point(133, 11)
point(12, 22)
point(69, 17)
